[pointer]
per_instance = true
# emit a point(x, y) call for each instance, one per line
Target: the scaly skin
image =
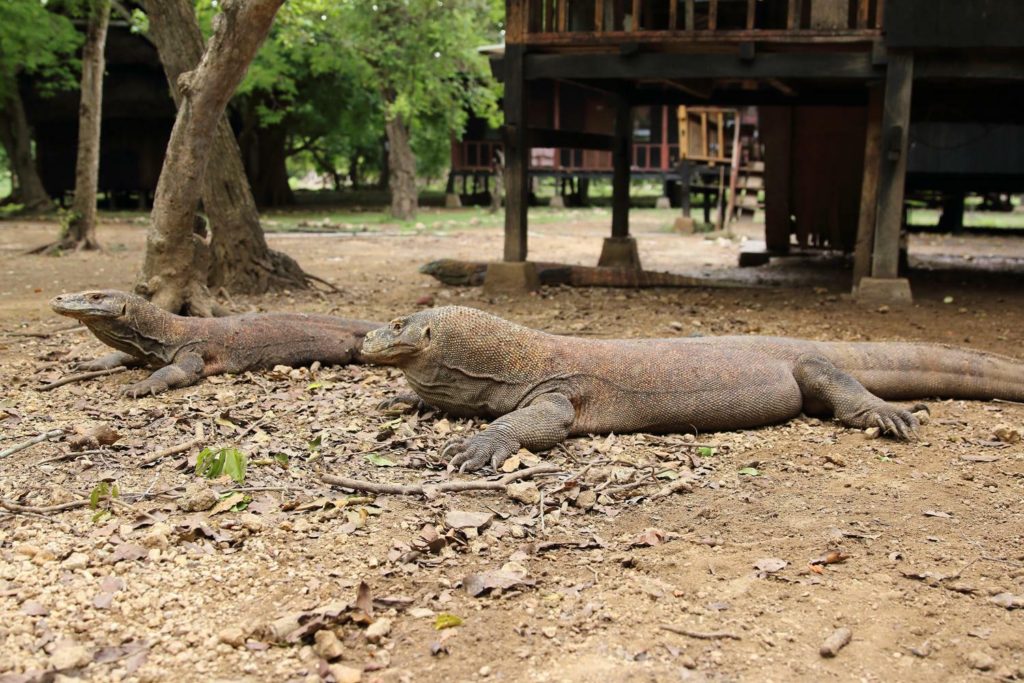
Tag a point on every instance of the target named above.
point(187, 349)
point(543, 388)
point(472, 274)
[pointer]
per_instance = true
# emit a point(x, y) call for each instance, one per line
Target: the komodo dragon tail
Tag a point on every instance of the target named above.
point(900, 371)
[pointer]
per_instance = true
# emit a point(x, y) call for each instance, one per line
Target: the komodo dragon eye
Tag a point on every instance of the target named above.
point(396, 326)
point(95, 297)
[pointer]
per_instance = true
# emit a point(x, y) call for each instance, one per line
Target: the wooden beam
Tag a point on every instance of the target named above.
point(880, 14)
point(793, 15)
point(863, 11)
point(646, 65)
point(712, 15)
point(892, 175)
point(690, 18)
point(517, 15)
point(634, 23)
point(563, 16)
point(673, 15)
point(776, 129)
point(598, 15)
point(781, 87)
point(621, 161)
point(721, 135)
point(547, 137)
point(704, 134)
point(689, 89)
point(751, 14)
point(517, 155)
point(734, 171)
point(869, 188)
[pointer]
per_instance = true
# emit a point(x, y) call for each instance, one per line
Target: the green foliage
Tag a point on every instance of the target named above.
point(37, 38)
point(749, 472)
point(331, 71)
point(103, 492)
point(379, 460)
point(230, 461)
point(705, 451)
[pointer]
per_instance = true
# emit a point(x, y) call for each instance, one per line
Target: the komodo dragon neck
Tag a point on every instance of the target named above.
point(146, 332)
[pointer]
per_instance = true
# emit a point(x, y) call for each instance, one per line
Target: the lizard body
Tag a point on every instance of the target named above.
point(186, 349)
point(543, 388)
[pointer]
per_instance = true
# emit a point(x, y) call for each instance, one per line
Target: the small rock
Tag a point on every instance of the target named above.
point(839, 639)
point(872, 433)
point(883, 308)
point(425, 300)
point(378, 629)
point(586, 500)
point(233, 636)
point(327, 645)
point(549, 631)
point(979, 660)
point(198, 497)
point(1006, 434)
point(26, 549)
point(43, 556)
point(75, 561)
point(676, 325)
point(251, 522)
point(688, 661)
point(68, 654)
point(524, 492)
point(485, 671)
point(157, 536)
point(345, 674)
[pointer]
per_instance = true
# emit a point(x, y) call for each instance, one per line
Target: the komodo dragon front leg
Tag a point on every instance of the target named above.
point(541, 424)
point(117, 359)
point(824, 385)
point(186, 370)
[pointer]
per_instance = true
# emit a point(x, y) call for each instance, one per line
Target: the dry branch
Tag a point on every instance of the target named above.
point(81, 377)
point(700, 635)
point(441, 487)
point(45, 436)
point(174, 450)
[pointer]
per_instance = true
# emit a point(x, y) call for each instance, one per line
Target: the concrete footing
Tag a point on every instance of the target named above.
point(663, 203)
point(684, 225)
point(557, 202)
point(619, 252)
point(452, 201)
point(511, 277)
point(875, 291)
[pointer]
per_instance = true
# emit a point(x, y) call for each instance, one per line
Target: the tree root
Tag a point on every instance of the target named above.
point(424, 488)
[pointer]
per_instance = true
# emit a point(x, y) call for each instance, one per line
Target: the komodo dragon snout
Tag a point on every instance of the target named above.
point(402, 339)
point(93, 304)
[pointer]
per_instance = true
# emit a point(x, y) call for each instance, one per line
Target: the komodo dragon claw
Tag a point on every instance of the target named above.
point(895, 421)
point(473, 453)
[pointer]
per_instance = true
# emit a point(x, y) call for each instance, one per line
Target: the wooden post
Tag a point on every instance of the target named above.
point(863, 6)
point(621, 153)
point(712, 15)
point(793, 15)
point(634, 23)
point(673, 15)
point(685, 174)
point(563, 16)
point(598, 15)
point(880, 14)
point(517, 155)
point(899, 79)
point(719, 205)
point(751, 13)
point(776, 124)
point(734, 172)
point(869, 188)
point(691, 22)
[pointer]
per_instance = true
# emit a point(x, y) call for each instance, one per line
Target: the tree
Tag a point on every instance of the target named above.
point(35, 41)
point(176, 267)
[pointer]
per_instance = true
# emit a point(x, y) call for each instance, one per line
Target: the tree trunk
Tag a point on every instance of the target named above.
point(169, 274)
point(402, 169)
point(81, 229)
point(239, 259)
point(16, 137)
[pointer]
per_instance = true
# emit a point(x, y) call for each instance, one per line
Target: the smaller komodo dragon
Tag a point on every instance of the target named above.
point(543, 388)
point(187, 349)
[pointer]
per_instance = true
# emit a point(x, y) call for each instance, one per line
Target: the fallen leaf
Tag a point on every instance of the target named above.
point(379, 460)
point(364, 599)
point(650, 537)
point(127, 551)
point(485, 582)
point(831, 557)
point(1008, 600)
point(228, 502)
point(445, 620)
point(770, 565)
point(749, 472)
point(461, 519)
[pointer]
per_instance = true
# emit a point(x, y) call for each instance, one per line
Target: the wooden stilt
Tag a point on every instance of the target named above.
point(869, 188)
point(620, 169)
point(777, 130)
point(517, 155)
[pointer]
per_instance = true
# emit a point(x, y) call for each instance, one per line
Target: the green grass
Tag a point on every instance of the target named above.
point(972, 219)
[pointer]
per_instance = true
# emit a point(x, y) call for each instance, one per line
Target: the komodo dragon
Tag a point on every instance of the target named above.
point(188, 349)
point(472, 273)
point(543, 388)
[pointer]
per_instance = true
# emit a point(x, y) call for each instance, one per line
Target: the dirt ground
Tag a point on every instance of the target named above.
point(738, 565)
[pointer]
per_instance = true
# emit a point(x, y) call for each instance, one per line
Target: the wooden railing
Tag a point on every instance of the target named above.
point(588, 21)
point(473, 157)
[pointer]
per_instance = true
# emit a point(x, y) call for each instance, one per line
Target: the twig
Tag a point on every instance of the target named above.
point(444, 487)
point(45, 436)
point(253, 489)
point(46, 335)
point(31, 509)
point(70, 456)
point(314, 278)
point(174, 450)
point(81, 377)
point(700, 635)
point(1006, 400)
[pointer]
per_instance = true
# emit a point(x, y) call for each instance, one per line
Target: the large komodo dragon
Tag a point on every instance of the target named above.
point(543, 388)
point(188, 349)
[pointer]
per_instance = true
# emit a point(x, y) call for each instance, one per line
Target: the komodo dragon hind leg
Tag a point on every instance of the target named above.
point(186, 370)
point(117, 359)
point(822, 383)
point(537, 426)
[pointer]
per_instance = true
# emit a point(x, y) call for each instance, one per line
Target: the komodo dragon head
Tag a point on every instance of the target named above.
point(121, 320)
point(401, 341)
